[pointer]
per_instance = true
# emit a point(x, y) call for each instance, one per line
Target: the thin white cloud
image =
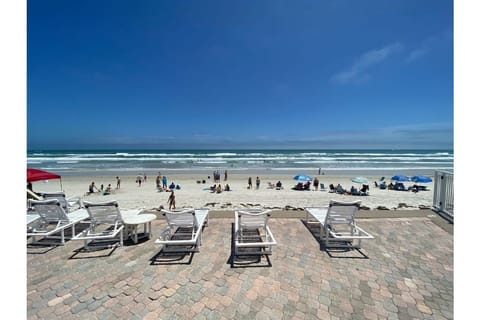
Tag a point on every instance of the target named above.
point(429, 45)
point(358, 72)
point(416, 54)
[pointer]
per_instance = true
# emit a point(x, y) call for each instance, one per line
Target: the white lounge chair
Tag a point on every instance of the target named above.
point(69, 204)
point(105, 224)
point(252, 236)
point(50, 218)
point(337, 224)
point(183, 233)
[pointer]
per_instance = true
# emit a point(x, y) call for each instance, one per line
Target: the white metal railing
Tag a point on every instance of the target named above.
point(443, 193)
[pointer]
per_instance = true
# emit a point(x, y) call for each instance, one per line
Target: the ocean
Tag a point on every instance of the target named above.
point(80, 162)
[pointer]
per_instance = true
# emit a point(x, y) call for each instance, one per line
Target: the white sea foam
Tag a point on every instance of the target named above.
point(267, 160)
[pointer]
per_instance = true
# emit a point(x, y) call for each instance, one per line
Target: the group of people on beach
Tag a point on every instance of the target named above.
point(218, 188)
point(216, 176)
point(353, 190)
point(276, 186)
point(257, 183)
point(399, 186)
point(162, 184)
point(105, 191)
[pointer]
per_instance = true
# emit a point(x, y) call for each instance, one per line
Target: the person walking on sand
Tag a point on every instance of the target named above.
point(257, 183)
point(158, 181)
point(118, 182)
point(249, 183)
point(225, 176)
point(171, 201)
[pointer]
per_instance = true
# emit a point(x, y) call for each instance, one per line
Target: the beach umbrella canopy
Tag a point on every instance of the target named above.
point(38, 175)
point(359, 180)
point(302, 177)
point(400, 178)
point(421, 179)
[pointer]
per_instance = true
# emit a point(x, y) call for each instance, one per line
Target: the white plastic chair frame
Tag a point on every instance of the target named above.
point(251, 230)
point(184, 230)
point(105, 224)
point(69, 204)
point(338, 227)
point(52, 219)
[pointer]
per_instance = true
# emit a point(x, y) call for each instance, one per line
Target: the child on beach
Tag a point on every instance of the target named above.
point(249, 183)
point(118, 182)
point(171, 201)
point(108, 190)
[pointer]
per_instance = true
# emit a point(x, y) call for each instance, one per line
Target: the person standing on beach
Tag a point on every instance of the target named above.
point(225, 176)
point(139, 180)
point(118, 182)
point(249, 183)
point(315, 183)
point(164, 183)
point(257, 183)
point(171, 201)
point(158, 180)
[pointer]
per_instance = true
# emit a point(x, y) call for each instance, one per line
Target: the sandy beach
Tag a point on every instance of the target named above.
point(195, 193)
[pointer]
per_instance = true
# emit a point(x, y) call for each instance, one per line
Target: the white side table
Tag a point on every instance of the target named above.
point(132, 222)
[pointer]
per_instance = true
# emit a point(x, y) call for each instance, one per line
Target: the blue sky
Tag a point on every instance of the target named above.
point(240, 74)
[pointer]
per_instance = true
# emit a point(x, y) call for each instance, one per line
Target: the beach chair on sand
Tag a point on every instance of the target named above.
point(183, 233)
point(338, 228)
point(50, 219)
point(252, 236)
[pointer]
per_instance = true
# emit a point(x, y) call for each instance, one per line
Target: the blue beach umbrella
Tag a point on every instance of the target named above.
point(359, 180)
point(400, 178)
point(302, 177)
point(421, 179)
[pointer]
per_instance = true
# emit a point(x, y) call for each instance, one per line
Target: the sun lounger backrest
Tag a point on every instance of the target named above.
point(60, 196)
point(253, 218)
point(49, 210)
point(183, 218)
point(103, 212)
point(342, 212)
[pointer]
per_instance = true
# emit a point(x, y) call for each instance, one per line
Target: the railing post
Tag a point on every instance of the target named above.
point(443, 193)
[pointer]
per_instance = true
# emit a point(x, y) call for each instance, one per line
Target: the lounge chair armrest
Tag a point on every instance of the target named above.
point(74, 201)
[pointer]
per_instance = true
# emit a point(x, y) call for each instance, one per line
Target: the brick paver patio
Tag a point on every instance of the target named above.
point(406, 272)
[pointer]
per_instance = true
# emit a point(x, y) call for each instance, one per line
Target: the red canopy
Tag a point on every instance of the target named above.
point(36, 175)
